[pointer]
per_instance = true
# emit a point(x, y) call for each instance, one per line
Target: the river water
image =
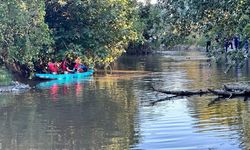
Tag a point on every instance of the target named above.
point(115, 112)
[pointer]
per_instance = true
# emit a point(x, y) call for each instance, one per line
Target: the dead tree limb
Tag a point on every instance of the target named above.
point(228, 94)
point(182, 93)
point(237, 88)
point(229, 91)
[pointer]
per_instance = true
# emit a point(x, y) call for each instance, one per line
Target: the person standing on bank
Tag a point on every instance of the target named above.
point(236, 42)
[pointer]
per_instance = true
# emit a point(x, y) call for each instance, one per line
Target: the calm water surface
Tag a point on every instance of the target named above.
point(115, 112)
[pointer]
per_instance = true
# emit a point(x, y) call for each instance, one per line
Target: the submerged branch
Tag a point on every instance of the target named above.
point(229, 91)
point(237, 88)
point(182, 93)
point(228, 94)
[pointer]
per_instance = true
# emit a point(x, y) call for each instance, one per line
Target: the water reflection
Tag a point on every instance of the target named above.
point(62, 87)
point(190, 123)
point(94, 114)
point(49, 83)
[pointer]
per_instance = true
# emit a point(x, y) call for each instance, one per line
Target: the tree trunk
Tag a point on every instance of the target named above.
point(183, 93)
point(224, 93)
point(228, 91)
point(238, 87)
point(16, 68)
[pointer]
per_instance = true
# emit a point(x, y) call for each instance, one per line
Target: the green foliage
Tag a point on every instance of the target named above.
point(5, 77)
point(175, 21)
point(247, 31)
point(195, 39)
point(147, 28)
point(24, 37)
point(179, 18)
point(99, 30)
point(236, 55)
point(201, 40)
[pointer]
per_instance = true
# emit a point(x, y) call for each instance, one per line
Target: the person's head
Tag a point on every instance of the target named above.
point(78, 60)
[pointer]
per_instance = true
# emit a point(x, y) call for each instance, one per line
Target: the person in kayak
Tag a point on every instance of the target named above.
point(65, 66)
point(79, 67)
point(53, 66)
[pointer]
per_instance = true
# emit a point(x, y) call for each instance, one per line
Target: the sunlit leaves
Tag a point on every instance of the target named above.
point(24, 35)
point(100, 29)
point(247, 30)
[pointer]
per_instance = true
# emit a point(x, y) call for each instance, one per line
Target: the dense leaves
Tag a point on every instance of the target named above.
point(24, 36)
point(99, 30)
point(223, 19)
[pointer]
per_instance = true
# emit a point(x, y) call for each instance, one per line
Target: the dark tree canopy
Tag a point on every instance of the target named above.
point(24, 36)
point(100, 31)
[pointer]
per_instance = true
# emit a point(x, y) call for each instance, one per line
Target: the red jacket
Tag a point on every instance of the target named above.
point(52, 67)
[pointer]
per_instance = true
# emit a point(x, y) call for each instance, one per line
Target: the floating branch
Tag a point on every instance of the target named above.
point(237, 88)
point(182, 93)
point(228, 94)
point(229, 91)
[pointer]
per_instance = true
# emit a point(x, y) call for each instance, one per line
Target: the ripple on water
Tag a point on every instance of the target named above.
point(171, 125)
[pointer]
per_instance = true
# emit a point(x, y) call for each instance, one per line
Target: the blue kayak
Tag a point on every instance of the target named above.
point(64, 76)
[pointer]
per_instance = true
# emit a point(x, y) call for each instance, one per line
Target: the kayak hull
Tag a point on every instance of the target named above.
point(64, 76)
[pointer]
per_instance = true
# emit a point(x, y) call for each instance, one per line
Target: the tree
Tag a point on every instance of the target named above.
point(223, 18)
point(99, 30)
point(148, 18)
point(24, 37)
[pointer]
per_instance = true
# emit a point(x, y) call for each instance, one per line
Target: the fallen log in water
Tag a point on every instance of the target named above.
point(223, 93)
point(228, 94)
point(182, 93)
point(237, 87)
point(229, 91)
